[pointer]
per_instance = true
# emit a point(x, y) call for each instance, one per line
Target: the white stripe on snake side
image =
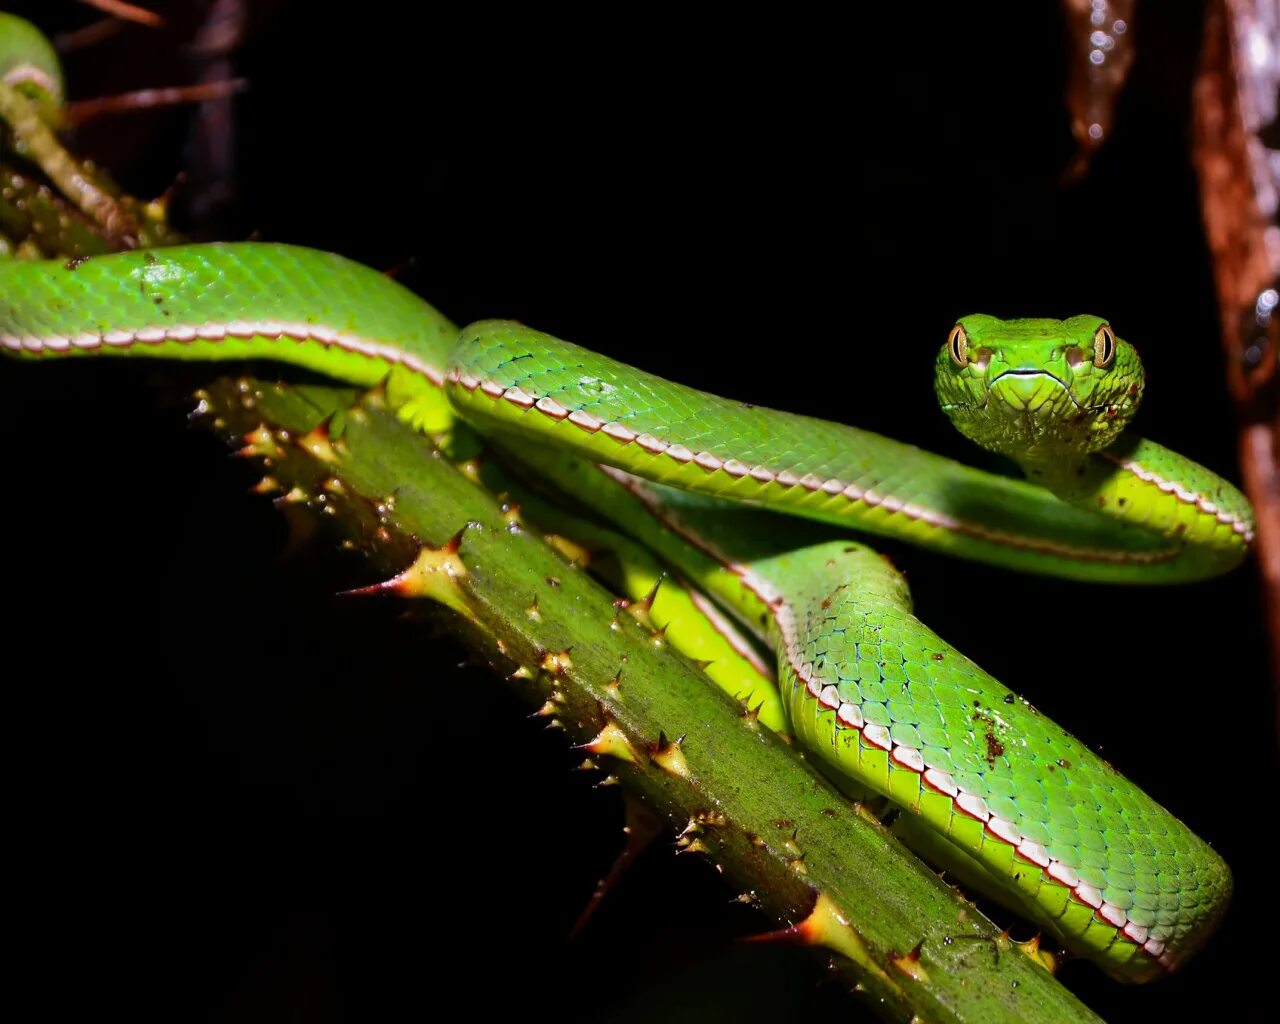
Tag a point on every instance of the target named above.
point(269, 330)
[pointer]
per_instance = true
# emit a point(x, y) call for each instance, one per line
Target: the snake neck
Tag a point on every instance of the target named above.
point(1147, 486)
point(1071, 476)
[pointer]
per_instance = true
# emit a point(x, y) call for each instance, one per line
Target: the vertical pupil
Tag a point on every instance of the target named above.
point(1106, 346)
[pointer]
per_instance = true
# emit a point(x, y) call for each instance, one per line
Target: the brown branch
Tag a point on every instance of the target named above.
point(1234, 104)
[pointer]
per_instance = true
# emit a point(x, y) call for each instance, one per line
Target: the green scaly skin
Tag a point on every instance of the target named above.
point(869, 688)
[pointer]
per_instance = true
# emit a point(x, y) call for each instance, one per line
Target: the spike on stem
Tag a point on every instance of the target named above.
point(259, 443)
point(295, 496)
point(641, 828)
point(548, 709)
point(318, 443)
point(614, 742)
point(569, 549)
point(646, 602)
point(1033, 951)
point(436, 573)
point(668, 756)
point(910, 965)
point(826, 926)
point(557, 663)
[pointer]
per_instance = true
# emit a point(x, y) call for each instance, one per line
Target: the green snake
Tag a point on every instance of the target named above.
point(867, 686)
point(1011, 800)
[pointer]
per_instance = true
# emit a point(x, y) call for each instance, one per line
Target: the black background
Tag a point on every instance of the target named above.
point(233, 797)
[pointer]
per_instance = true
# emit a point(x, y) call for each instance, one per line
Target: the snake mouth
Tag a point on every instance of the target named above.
point(1028, 373)
point(1029, 390)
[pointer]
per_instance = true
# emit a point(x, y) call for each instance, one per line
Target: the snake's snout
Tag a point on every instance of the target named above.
point(1023, 391)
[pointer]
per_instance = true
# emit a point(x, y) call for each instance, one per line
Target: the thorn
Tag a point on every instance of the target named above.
point(587, 765)
point(555, 723)
point(377, 393)
point(863, 811)
point(608, 780)
point(910, 965)
point(572, 552)
point(203, 404)
point(521, 672)
point(547, 709)
point(317, 442)
point(452, 545)
point(612, 741)
point(693, 846)
point(659, 637)
point(796, 864)
point(1033, 950)
point(259, 443)
point(826, 926)
point(296, 496)
point(334, 486)
point(750, 898)
point(557, 664)
point(532, 611)
point(435, 573)
point(646, 602)
point(641, 828)
point(614, 686)
point(669, 757)
point(267, 485)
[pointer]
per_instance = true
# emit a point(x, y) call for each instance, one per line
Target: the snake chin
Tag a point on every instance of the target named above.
point(1033, 416)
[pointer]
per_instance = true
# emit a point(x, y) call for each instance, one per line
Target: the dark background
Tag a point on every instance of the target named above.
point(233, 797)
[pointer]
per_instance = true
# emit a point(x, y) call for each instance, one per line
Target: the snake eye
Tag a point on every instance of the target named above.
point(958, 345)
point(1104, 347)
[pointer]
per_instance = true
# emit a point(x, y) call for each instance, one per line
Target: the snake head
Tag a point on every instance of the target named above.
point(1038, 390)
